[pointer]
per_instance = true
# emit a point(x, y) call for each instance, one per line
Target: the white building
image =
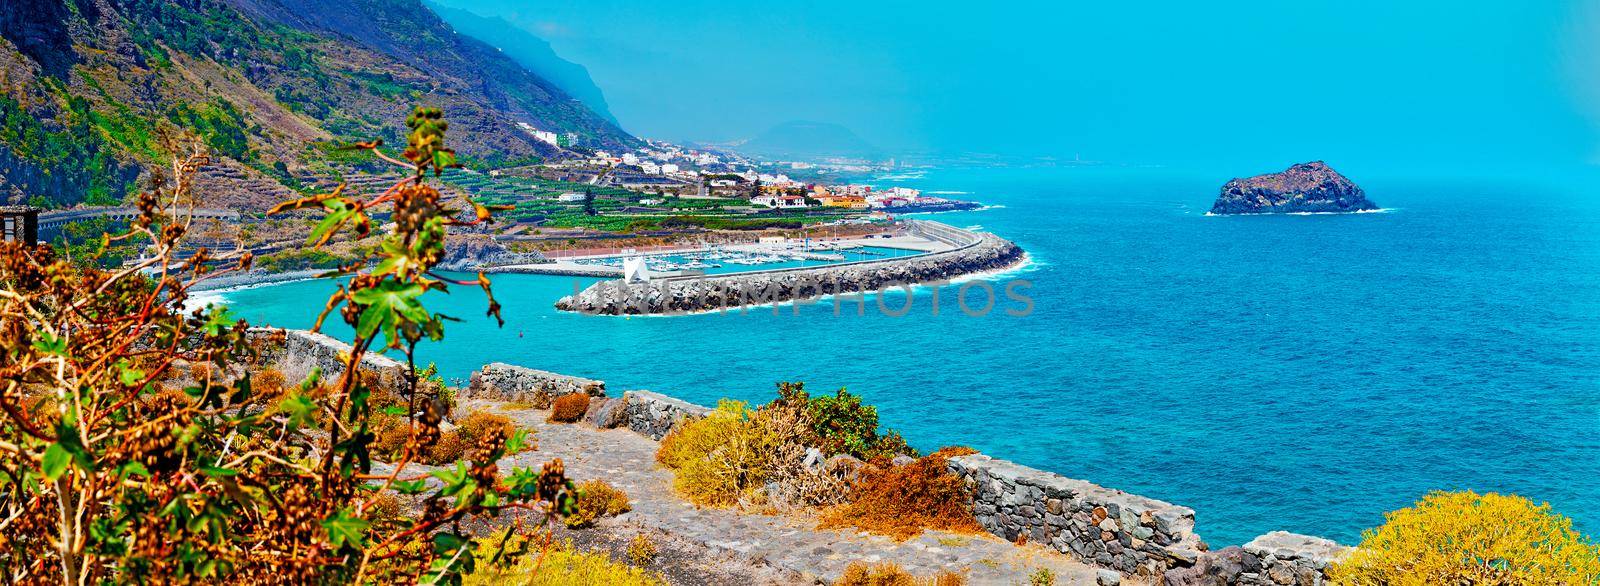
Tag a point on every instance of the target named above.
point(779, 201)
point(569, 197)
point(669, 168)
point(546, 136)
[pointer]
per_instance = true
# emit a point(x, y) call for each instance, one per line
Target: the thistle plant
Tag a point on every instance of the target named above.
point(134, 447)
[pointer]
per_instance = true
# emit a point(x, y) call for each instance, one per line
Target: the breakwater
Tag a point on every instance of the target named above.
point(969, 253)
point(1111, 529)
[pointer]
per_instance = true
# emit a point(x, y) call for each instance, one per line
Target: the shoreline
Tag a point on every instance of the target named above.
point(252, 279)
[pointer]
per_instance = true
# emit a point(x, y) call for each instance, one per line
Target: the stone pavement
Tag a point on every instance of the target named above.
point(790, 543)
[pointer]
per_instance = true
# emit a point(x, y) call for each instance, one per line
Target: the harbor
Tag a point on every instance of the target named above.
point(769, 253)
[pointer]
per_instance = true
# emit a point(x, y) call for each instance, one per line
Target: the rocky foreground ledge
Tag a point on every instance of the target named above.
point(1087, 534)
point(974, 253)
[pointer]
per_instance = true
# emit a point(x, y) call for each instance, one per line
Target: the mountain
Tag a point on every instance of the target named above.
point(96, 91)
point(810, 140)
point(532, 52)
point(1303, 188)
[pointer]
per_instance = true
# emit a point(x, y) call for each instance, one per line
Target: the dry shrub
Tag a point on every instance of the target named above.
point(597, 499)
point(901, 501)
point(268, 384)
point(393, 433)
point(718, 458)
point(564, 565)
point(728, 457)
point(385, 509)
point(200, 372)
point(1042, 577)
point(798, 484)
point(641, 550)
point(889, 574)
point(479, 424)
point(569, 408)
point(449, 448)
point(1468, 538)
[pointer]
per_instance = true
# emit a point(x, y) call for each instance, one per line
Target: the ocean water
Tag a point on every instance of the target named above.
point(1303, 373)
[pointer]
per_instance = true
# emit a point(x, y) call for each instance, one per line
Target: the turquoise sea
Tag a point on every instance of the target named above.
point(1303, 373)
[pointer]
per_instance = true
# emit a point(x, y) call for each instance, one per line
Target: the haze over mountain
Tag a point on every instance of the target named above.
point(1239, 86)
point(96, 90)
point(531, 51)
point(811, 140)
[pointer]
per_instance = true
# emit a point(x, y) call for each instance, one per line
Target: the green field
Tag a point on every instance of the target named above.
point(535, 199)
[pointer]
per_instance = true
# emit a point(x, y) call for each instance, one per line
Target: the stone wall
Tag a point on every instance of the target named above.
point(296, 353)
point(498, 381)
point(987, 252)
point(1105, 527)
point(654, 414)
point(1275, 559)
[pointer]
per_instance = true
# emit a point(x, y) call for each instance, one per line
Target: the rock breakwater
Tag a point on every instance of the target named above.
point(981, 253)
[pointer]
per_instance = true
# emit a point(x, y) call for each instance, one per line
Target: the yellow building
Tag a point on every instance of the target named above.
point(854, 202)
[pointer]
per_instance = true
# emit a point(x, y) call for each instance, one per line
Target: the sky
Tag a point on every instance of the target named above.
point(1461, 84)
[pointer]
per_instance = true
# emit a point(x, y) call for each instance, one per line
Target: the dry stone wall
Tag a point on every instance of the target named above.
point(1106, 527)
point(655, 415)
point(1275, 559)
point(296, 353)
point(498, 381)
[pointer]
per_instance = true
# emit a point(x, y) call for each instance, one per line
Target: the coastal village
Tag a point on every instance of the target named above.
point(583, 203)
point(281, 280)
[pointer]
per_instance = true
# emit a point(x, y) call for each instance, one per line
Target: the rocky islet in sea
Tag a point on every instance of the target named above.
point(1303, 188)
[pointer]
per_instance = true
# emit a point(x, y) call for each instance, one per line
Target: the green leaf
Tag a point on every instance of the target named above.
point(218, 319)
point(387, 304)
point(299, 408)
point(345, 529)
point(219, 472)
point(394, 410)
point(339, 212)
point(134, 469)
point(49, 344)
point(410, 487)
point(129, 376)
point(447, 543)
point(518, 439)
point(56, 461)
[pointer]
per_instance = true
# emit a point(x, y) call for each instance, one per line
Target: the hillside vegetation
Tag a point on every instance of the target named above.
point(95, 91)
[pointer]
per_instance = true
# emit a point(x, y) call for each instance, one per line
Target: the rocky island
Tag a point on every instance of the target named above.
point(1304, 188)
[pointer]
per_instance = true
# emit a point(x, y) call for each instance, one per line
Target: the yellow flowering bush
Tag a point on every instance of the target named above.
point(719, 458)
point(1466, 538)
point(562, 564)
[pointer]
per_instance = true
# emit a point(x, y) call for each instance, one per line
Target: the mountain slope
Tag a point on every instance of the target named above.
point(96, 90)
point(532, 52)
